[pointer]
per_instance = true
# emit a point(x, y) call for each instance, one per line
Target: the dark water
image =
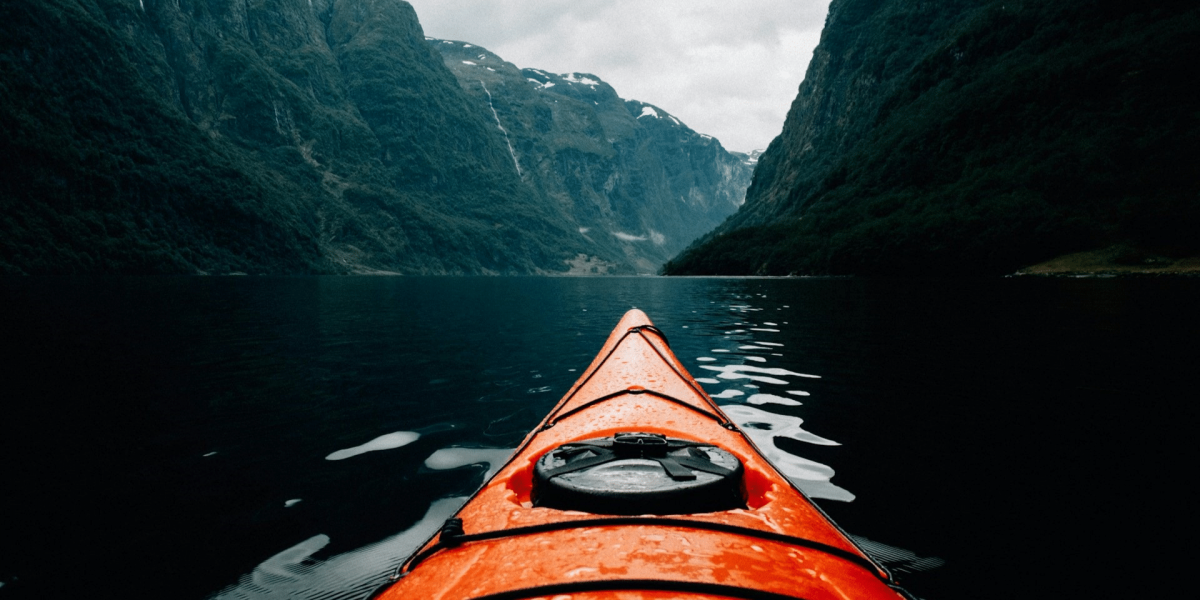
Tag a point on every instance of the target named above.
point(1031, 434)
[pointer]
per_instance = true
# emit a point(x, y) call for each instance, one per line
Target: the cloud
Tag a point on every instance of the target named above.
point(730, 70)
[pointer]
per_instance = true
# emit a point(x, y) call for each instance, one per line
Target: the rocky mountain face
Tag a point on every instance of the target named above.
point(750, 159)
point(288, 136)
point(637, 181)
point(975, 137)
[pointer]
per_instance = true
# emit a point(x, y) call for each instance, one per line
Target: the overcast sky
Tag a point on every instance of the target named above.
point(727, 69)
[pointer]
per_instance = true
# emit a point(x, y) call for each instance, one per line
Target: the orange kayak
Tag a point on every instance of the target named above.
point(637, 486)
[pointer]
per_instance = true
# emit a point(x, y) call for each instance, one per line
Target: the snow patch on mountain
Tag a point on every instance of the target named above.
point(579, 78)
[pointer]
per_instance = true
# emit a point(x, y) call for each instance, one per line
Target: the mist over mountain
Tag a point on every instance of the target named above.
point(976, 138)
point(207, 136)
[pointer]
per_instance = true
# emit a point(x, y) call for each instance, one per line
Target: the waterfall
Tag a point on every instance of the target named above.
point(502, 130)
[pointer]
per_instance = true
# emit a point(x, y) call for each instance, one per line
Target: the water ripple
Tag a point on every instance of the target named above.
point(295, 574)
point(383, 442)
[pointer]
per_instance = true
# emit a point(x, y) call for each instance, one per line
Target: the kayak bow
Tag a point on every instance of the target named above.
point(638, 486)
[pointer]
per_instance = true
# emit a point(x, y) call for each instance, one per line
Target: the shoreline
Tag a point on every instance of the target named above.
point(1114, 261)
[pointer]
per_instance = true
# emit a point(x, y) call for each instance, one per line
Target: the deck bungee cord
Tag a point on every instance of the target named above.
point(452, 535)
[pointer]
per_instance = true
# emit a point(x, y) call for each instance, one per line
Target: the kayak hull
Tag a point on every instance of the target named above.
point(779, 545)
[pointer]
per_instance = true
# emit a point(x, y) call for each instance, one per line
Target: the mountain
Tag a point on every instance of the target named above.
point(328, 136)
point(965, 137)
point(637, 181)
point(749, 158)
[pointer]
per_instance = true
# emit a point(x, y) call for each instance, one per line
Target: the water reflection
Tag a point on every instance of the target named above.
point(771, 399)
point(383, 442)
point(296, 574)
point(736, 371)
point(897, 560)
point(764, 427)
point(453, 458)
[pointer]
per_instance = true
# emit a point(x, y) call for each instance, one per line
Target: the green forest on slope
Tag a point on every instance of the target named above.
point(1021, 131)
point(327, 136)
point(265, 137)
point(98, 175)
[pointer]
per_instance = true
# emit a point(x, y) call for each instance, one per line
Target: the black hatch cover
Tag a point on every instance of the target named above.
point(638, 473)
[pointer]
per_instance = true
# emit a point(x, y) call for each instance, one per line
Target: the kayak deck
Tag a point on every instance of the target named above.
point(780, 545)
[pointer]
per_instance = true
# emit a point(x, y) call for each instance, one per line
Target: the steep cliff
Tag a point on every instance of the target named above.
point(268, 136)
point(283, 136)
point(637, 182)
point(975, 137)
